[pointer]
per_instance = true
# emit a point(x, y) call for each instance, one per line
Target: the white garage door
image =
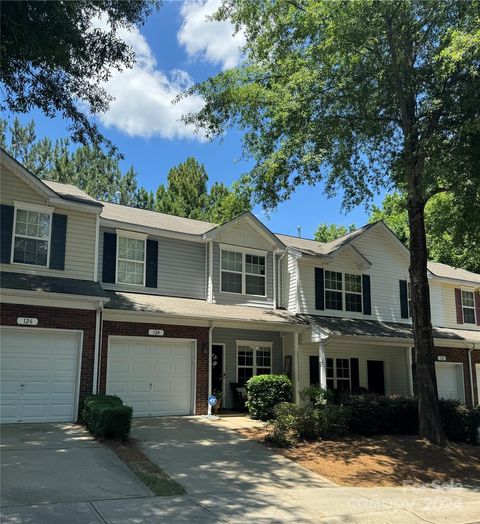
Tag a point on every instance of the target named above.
point(450, 381)
point(152, 376)
point(39, 372)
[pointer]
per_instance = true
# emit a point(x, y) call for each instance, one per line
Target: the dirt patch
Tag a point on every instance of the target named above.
point(389, 460)
point(149, 473)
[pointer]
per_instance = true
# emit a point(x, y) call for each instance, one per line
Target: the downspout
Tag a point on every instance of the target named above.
point(280, 288)
point(97, 235)
point(296, 354)
point(210, 341)
point(98, 341)
point(210, 271)
point(470, 367)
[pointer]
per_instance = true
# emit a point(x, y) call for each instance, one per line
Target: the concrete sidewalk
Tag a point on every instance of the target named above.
point(230, 478)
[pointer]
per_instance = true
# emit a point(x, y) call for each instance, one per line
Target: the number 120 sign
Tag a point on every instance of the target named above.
point(27, 321)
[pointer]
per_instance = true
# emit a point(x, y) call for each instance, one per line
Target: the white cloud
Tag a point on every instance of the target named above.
point(143, 96)
point(209, 40)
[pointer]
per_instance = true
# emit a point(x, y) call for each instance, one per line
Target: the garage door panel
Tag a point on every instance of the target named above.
point(449, 381)
point(157, 380)
point(38, 375)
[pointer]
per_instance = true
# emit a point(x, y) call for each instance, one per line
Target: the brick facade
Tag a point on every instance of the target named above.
point(136, 329)
point(61, 318)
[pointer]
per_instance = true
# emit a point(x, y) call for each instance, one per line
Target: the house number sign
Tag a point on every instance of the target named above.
point(27, 321)
point(441, 357)
point(156, 332)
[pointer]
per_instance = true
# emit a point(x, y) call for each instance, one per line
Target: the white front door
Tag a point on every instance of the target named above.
point(153, 376)
point(450, 380)
point(39, 371)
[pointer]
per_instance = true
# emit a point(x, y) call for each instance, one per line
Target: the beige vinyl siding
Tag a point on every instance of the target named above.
point(388, 267)
point(436, 303)
point(449, 309)
point(181, 268)
point(395, 359)
point(80, 245)
point(12, 188)
point(291, 280)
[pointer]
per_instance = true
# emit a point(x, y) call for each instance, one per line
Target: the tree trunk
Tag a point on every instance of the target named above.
point(430, 424)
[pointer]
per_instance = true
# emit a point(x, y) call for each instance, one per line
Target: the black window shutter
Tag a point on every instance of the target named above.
point(403, 299)
point(319, 289)
point(109, 257)
point(367, 297)
point(314, 371)
point(152, 264)
point(6, 231)
point(354, 376)
point(59, 240)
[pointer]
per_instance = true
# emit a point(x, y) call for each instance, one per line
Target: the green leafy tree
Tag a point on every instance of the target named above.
point(449, 239)
point(57, 54)
point(187, 195)
point(360, 94)
point(329, 232)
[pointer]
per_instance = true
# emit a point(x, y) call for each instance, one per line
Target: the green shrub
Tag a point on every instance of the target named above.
point(315, 396)
point(460, 423)
point(106, 416)
point(329, 421)
point(282, 432)
point(265, 392)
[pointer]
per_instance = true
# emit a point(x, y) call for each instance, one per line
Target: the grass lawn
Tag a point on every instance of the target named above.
point(388, 460)
point(149, 473)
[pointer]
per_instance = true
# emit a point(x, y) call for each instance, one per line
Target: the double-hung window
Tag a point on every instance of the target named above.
point(131, 253)
point(343, 289)
point(353, 292)
point(253, 358)
point(468, 307)
point(338, 374)
point(409, 298)
point(243, 273)
point(333, 290)
point(32, 231)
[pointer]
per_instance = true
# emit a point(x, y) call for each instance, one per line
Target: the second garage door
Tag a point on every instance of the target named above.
point(450, 381)
point(154, 377)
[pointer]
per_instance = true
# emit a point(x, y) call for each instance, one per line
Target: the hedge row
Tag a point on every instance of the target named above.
point(106, 416)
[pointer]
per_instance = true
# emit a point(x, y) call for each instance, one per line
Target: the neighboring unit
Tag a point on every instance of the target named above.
point(100, 297)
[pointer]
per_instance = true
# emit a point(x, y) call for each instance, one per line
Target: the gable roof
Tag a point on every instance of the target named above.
point(444, 271)
point(153, 219)
point(315, 248)
point(70, 192)
point(248, 215)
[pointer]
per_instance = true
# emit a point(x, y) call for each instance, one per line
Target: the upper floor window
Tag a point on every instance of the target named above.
point(243, 273)
point(468, 307)
point(31, 243)
point(334, 291)
point(409, 298)
point(131, 261)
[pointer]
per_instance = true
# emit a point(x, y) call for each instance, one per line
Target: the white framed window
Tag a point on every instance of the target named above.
point(131, 257)
point(243, 272)
point(338, 374)
point(343, 289)
point(32, 231)
point(253, 358)
point(468, 307)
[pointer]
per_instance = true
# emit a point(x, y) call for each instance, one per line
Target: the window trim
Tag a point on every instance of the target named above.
point(468, 307)
point(38, 208)
point(136, 236)
point(253, 344)
point(243, 251)
point(343, 291)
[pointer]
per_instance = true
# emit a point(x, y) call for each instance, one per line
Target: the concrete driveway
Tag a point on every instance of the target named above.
point(228, 478)
point(60, 463)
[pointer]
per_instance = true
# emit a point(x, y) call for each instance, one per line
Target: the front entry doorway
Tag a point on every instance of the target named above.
point(218, 372)
point(376, 377)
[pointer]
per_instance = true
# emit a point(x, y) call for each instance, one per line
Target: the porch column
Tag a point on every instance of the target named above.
point(409, 371)
point(296, 368)
point(322, 365)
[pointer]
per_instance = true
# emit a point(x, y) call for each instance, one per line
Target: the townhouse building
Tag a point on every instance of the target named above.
point(164, 310)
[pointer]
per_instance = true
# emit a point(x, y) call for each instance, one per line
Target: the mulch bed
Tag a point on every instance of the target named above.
point(390, 460)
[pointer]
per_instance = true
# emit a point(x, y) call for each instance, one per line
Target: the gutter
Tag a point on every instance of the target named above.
point(278, 272)
point(210, 340)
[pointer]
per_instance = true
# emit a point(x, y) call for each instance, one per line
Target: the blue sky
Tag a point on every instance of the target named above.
point(176, 47)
